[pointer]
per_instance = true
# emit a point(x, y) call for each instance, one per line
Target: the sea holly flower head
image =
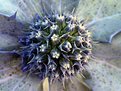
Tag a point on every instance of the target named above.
point(58, 45)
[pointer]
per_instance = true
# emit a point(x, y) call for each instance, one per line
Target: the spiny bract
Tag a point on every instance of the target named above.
point(57, 47)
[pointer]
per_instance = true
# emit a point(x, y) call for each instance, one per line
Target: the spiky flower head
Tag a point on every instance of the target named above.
point(57, 47)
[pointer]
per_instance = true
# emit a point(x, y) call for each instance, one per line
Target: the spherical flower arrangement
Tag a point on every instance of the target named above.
point(57, 47)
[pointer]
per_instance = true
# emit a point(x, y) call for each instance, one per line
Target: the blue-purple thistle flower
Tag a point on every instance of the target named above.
point(57, 47)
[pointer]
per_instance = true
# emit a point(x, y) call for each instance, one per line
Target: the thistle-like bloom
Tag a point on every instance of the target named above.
point(57, 47)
